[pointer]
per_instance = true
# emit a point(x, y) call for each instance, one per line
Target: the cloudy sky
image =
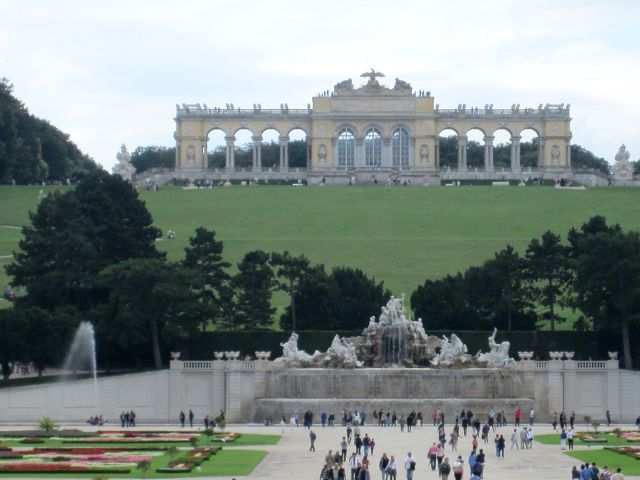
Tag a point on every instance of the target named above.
point(112, 72)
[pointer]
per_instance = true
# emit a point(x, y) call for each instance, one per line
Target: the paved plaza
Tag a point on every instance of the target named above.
point(290, 459)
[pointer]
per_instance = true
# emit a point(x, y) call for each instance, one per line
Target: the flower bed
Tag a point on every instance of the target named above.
point(133, 437)
point(590, 438)
point(186, 463)
point(631, 436)
point(633, 452)
point(227, 437)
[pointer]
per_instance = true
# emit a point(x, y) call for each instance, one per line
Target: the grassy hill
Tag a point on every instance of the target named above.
point(399, 235)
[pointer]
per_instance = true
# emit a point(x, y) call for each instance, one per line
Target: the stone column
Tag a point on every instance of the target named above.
point(568, 161)
point(436, 155)
point(358, 157)
point(386, 160)
point(462, 154)
point(230, 158)
point(257, 151)
point(540, 152)
point(284, 151)
point(488, 153)
point(515, 154)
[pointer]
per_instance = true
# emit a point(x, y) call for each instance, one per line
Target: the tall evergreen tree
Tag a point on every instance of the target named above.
point(253, 285)
point(291, 270)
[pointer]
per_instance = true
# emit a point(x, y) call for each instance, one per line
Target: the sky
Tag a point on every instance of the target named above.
point(112, 72)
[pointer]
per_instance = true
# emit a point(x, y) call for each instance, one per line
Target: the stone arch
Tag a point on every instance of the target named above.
point(456, 129)
point(447, 148)
point(502, 147)
point(270, 144)
point(243, 148)
point(349, 126)
point(298, 147)
point(475, 139)
point(530, 148)
point(216, 148)
point(406, 126)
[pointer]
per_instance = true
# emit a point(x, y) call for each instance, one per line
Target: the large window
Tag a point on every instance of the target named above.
point(372, 148)
point(400, 148)
point(346, 148)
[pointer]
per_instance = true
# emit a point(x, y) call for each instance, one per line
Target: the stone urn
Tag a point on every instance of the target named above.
point(218, 355)
point(262, 355)
point(555, 355)
point(613, 355)
point(569, 355)
point(525, 355)
point(175, 355)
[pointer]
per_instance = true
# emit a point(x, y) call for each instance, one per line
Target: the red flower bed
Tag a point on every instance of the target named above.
point(52, 467)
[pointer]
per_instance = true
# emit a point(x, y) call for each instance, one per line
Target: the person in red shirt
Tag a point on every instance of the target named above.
point(518, 415)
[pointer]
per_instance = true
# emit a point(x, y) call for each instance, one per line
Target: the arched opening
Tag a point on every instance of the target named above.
point(502, 148)
point(372, 147)
point(270, 149)
point(298, 149)
point(447, 155)
point(529, 148)
point(400, 148)
point(346, 147)
point(216, 149)
point(243, 148)
point(475, 149)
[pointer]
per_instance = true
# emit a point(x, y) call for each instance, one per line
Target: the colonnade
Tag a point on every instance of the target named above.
point(256, 146)
point(488, 153)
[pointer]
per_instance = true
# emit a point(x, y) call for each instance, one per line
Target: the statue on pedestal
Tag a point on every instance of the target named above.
point(622, 168)
point(124, 167)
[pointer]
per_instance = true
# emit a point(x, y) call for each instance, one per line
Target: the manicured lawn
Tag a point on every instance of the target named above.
point(602, 457)
point(399, 235)
point(224, 463)
point(612, 440)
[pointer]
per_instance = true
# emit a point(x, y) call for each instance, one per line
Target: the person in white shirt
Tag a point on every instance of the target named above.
point(410, 465)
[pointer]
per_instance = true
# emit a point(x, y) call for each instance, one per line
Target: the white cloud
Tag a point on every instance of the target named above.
point(112, 72)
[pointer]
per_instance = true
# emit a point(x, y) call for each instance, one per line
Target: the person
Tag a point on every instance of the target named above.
point(312, 441)
point(532, 416)
point(595, 471)
point(572, 418)
point(182, 418)
point(392, 468)
point(349, 433)
point(440, 455)
point(458, 468)
point(618, 475)
point(554, 422)
point(518, 414)
point(432, 454)
point(343, 449)
point(638, 422)
point(191, 417)
point(575, 473)
point(453, 440)
point(372, 444)
point(445, 469)
point(570, 436)
point(563, 439)
point(325, 473)
point(354, 465)
point(530, 438)
point(500, 449)
point(364, 474)
point(605, 474)
point(384, 463)
point(409, 465)
point(608, 418)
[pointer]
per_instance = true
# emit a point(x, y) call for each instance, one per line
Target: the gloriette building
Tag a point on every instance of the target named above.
point(372, 129)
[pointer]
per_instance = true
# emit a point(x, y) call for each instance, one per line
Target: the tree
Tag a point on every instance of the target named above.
point(298, 152)
point(507, 298)
point(583, 158)
point(13, 339)
point(443, 303)
point(315, 296)
point(606, 261)
point(145, 158)
point(149, 300)
point(547, 271)
point(204, 256)
point(290, 270)
point(358, 297)
point(253, 284)
point(448, 151)
point(74, 235)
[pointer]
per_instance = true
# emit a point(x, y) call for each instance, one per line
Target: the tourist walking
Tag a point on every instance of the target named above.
point(514, 439)
point(618, 475)
point(354, 465)
point(392, 468)
point(458, 468)
point(409, 465)
point(432, 455)
point(191, 417)
point(312, 441)
point(453, 440)
point(182, 418)
point(563, 439)
point(532, 416)
point(570, 436)
point(440, 455)
point(384, 463)
point(364, 474)
point(343, 449)
point(501, 445)
point(445, 469)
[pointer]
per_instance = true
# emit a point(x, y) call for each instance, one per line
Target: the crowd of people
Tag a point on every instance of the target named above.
point(443, 456)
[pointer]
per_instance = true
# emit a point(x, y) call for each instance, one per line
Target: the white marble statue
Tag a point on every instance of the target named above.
point(622, 168)
point(343, 351)
point(451, 351)
point(290, 352)
point(124, 167)
point(498, 354)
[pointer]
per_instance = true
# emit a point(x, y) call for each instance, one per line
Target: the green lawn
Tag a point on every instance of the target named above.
point(612, 440)
point(602, 457)
point(225, 463)
point(399, 235)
